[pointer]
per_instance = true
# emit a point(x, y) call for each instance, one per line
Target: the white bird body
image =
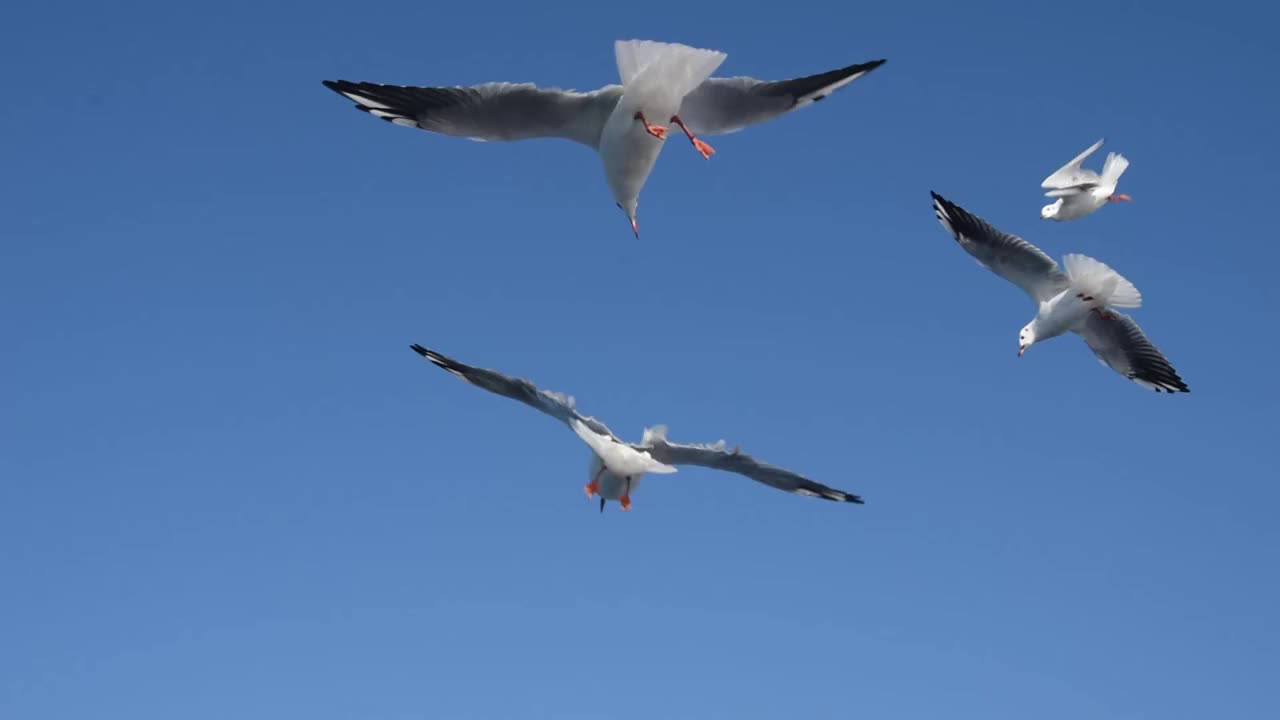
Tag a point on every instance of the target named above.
point(629, 153)
point(655, 78)
point(1080, 204)
point(612, 486)
point(1061, 314)
point(618, 458)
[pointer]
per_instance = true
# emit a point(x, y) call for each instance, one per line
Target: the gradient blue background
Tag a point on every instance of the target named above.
point(229, 490)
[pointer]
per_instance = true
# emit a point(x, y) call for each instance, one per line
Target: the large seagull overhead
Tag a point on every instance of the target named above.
point(661, 83)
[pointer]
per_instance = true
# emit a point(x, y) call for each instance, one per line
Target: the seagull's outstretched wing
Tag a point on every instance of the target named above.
point(1072, 175)
point(1008, 256)
point(557, 405)
point(718, 457)
point(493, 111)
point(1122, 346)
point(725, 105)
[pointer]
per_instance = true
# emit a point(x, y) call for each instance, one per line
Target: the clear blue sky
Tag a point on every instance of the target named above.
point(229, 490)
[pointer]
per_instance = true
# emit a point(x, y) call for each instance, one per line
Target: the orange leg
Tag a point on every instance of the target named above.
point(706, 150)
point(593, 488)
point(1120, 197)
point(625, 500)
point(655, 130)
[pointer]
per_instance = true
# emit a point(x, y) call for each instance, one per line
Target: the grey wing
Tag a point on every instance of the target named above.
point(1080, 189)
point(1008, 256)
point(1072, 175)
point(719, 458)
point(557, 405)
point(494, 111)
point(725, 105)
point(1122, 346)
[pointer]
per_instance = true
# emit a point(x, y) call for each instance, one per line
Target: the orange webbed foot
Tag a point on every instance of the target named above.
point(706, 150)
point(592, 488)
point(657, 131)
point(625, 502)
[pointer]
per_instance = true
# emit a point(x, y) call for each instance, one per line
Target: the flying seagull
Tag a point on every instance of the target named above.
point(1081, 300)
point(661, 82)
point(616, 465)
point(1080, 191)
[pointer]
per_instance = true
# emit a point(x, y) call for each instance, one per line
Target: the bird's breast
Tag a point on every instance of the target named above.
point(628, 152)
point(1060, 314)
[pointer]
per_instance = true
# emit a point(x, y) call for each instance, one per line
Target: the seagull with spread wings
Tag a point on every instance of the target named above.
point(616, 465)
point(1081, 300)
point(661, 82)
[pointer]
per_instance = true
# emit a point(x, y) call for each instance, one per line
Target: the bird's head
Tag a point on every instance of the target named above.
point(1051, 210)
point(630, 209)
point(1026, 337)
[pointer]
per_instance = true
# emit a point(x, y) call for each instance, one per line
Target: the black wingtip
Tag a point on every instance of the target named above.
point(861, 68)
point(335, 85)
point(419, 349)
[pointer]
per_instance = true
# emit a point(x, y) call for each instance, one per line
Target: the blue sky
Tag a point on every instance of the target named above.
point(228, 488)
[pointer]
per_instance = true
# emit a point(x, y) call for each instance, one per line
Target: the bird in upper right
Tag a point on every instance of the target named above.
point(1080, 191)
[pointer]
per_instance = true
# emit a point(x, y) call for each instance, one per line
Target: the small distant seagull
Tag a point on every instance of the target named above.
point(617, 466)
point(661, 82)
point(1081, 191)
point(1081, 300)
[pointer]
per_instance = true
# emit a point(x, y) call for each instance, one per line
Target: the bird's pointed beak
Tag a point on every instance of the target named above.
point(602, 504)
point(1120, 197)
point(1021, 349)
point(635, 228)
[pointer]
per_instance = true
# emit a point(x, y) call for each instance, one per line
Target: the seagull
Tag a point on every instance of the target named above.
point(661, 82)
point(1079, 191)
point(617, 466)
point(1081, 300)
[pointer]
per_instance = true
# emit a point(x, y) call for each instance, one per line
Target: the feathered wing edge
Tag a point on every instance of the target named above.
point(718, 457)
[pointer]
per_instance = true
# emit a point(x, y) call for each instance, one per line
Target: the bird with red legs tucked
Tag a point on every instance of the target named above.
point(617, 466)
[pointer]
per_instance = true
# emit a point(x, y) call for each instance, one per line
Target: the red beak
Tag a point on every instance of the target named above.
point(635, 228)
point(1021, 349)
point(1118, 198)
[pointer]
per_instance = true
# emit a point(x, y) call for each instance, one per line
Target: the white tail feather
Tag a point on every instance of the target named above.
point(1095, 279)
point(1113, 168)
point(647, 66)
